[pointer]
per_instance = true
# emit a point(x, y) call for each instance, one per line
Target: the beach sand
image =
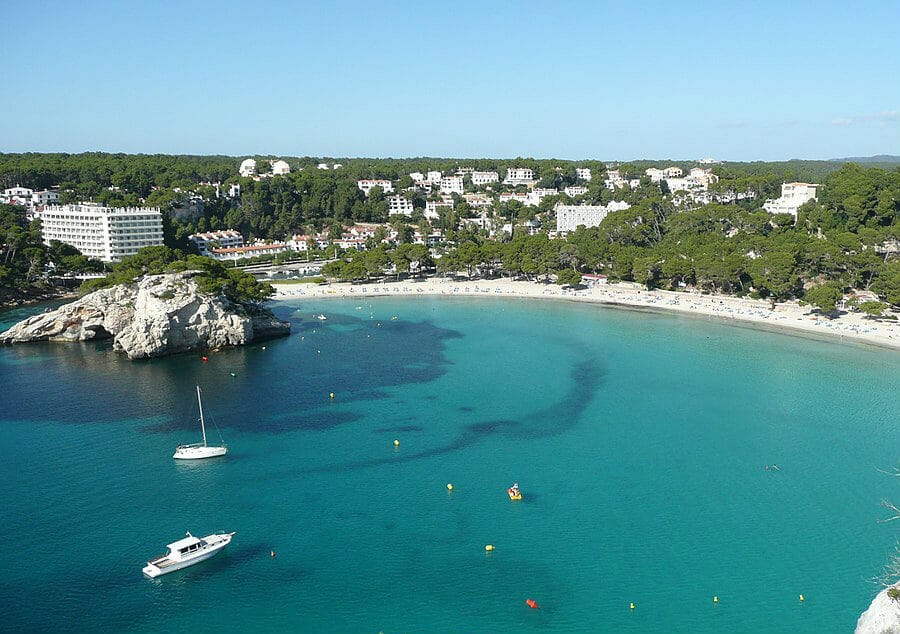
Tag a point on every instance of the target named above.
point(789, 315)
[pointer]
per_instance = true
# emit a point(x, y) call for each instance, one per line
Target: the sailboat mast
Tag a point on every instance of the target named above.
point(202, 423)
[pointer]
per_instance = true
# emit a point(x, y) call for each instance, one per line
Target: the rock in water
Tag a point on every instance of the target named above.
point(155, 316)
point(882, 617)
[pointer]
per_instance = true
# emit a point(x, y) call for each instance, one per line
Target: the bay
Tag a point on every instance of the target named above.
point(640, 442)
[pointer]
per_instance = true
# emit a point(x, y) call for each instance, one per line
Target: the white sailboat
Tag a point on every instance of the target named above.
point(199, 450)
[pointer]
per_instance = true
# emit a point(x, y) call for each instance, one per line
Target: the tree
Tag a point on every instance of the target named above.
point(887, 284)
point(469, 256)
point(873, 309)
point(355, 269)
point(400, 258)
point(825, 296)
point(775, 273)
point(568, 277)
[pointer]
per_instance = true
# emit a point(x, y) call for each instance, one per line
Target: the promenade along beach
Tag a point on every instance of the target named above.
point(788, 315)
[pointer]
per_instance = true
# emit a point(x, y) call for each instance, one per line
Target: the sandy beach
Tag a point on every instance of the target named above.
point(789, 315)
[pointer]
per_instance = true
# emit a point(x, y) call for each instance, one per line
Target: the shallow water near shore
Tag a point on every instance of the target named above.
point(640, 441)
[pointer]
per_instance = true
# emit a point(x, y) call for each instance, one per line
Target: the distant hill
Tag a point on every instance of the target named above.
point(880, 158)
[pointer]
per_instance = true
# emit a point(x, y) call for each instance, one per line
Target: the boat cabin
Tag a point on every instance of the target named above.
point(185, 547)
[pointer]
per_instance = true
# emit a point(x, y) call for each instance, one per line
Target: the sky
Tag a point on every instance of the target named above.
point(762, 80)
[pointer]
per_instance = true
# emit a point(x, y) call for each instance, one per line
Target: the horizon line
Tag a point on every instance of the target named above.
point(457, 158)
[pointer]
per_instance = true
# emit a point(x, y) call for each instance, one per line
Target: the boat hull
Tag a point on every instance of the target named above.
point(152, 571)
point(197, 453)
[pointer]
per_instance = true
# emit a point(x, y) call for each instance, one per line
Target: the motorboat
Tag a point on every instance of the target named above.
point(186, 552)
point(514, 493)
point(200, 450)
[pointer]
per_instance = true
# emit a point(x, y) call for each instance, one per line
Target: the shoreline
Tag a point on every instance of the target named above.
point(24, 302)
point(787, 317)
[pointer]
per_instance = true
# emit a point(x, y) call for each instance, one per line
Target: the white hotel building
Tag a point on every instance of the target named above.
point(569, 217)
point(104, 233)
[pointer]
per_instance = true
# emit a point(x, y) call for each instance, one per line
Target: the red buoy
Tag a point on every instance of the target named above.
point(531, 603)
point(204, 359)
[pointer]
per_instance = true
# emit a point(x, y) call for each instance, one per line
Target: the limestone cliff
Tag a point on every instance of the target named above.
point(882, 617)
point(152, 317)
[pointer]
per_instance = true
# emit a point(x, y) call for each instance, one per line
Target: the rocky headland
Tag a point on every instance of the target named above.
point(883, 615)
point(154, 316)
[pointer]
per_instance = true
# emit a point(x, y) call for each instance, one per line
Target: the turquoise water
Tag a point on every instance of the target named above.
point(639, 441)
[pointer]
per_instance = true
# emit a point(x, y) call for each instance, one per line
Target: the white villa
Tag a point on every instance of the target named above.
point(573, 191)
point(452, 185)
point(672, 172)
point(431, 208)
point(535, 196)
point(519, 176)
point(505, 197)
point(793, 195)
point(477, 200)
point(17, 196)
point(366, 185)
point(399, 205)
point(250, 251)
point(45, 197)
point(583, 173)
point(570, 217)
point(280, 168)
point(247, 168)
point(225, 239)
point(433, 177)
point(104, 233)
point(485, 178)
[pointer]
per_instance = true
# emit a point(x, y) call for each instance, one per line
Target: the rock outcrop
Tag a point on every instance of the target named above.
point(882, 617)
point(152, 317)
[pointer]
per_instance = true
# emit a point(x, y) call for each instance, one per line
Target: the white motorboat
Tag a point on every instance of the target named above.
point(199, 450)
point(186, 552)
point(321, 317)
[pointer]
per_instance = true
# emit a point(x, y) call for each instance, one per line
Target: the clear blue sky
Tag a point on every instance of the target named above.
point(763, 80)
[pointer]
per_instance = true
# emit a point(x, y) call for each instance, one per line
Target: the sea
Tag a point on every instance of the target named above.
point(679, 474)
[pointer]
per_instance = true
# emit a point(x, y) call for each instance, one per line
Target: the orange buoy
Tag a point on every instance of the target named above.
point(531, 603)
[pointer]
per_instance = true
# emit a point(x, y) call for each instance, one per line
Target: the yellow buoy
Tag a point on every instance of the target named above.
point(631, 606)
point(802, 598)
point(715, 599)
point(396, 443)
point(449, 487)
point(489, 547)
